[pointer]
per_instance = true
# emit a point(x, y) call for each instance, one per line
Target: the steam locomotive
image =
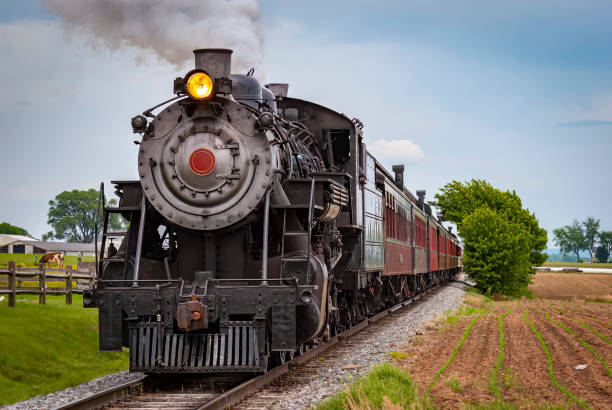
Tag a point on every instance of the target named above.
point(259, 225)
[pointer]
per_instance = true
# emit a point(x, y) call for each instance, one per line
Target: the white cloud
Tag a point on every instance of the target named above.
point(396, 151)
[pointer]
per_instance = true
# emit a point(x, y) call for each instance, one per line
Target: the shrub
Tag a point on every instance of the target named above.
point(496, 253)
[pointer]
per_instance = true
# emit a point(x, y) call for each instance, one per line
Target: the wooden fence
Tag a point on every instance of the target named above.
point(83, 277)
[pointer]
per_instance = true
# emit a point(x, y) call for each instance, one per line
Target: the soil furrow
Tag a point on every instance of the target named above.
point(590, 384)
point(600, 346)
point(525, 380)
point(436, 346)
point(471, 368)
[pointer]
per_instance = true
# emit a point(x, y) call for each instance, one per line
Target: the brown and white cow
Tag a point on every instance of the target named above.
point(53, 257)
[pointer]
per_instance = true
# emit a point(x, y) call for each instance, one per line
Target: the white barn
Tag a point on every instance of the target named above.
point(27, 245)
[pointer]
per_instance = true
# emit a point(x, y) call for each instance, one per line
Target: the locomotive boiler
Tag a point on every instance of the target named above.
point(259, 225)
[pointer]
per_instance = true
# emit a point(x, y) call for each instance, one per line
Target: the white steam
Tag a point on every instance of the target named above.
point(169, 29)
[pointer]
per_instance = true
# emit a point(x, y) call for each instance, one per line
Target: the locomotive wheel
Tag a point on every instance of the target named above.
point(279, 358)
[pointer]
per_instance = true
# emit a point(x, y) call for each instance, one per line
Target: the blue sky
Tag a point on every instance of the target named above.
point(518, 93)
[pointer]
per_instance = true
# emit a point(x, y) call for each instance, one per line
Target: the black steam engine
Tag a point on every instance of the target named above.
point(259, 225)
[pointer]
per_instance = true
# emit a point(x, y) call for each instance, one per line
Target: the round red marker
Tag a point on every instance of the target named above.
point(202, 161)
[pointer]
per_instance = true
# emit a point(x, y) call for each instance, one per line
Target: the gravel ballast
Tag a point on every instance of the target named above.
point(63, 397)
point(324, 377)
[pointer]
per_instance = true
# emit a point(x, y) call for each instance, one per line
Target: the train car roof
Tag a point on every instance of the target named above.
point(414, 201)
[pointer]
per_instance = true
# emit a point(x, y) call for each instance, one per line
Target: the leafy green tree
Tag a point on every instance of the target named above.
point(605, 240)
point(502, 240)
point(47, 236)
point(72, 215)
point(458, 200)
point(9, 229)
point(602, 254)
point(496, 252)
point(571, 239)
point(591, 232)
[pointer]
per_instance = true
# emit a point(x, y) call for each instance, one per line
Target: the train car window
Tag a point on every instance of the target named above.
point(291, 114)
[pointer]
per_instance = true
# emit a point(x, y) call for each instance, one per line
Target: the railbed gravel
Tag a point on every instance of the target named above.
point(365, 349)
point(65, 396)
point(362, 351)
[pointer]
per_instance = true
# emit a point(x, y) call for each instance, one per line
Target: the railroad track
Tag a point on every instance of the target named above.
point(171, 392)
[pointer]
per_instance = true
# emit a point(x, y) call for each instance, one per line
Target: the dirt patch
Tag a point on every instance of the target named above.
point(467, 378)
point(524, 378)
point(592, 384)
point(572, 286)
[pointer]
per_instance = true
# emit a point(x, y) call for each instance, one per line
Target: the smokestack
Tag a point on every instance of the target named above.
point(215, 61)
point(421, 195)
point(278, 89)
point(399, 175)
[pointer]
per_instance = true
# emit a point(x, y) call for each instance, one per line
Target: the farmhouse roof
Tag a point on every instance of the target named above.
point(5, 239)
point(64, 246)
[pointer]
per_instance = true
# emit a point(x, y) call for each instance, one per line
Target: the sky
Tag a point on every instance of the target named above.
point(518, 93)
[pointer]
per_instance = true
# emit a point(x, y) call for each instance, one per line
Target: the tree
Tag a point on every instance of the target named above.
point(571, 239)
point(605, 240)
point(502, 240)
point(602, 254)
point(591, 232)
point(496, 252)
point(9, 229)
point(72, 215)
point(458, 200)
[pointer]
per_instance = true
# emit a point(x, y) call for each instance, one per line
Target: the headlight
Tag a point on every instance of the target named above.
point(199, 85)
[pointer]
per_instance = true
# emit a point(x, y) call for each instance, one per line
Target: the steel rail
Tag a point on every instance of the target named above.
point(236, 394)
point(107, 396)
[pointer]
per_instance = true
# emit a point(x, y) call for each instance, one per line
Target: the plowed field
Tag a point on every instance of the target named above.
point(543, 343)
point(572, 285)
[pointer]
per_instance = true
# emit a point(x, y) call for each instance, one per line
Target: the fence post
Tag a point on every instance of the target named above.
point(69, 285)
point(92, 276)
point(42, 284)
point(78, 262)
point(13, 289)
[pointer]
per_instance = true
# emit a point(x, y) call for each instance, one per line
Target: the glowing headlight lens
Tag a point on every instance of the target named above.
point(199, 85)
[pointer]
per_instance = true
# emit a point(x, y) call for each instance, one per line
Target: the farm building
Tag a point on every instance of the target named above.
point(28, 245)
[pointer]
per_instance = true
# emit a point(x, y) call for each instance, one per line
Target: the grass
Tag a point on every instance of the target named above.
point(549, 361)
point(577, 265)
point(494, 387)
point(454, 385)
point(44, 348)
point(474, 304)
point(600, 299)
point(31, 260)
point(386, 386)
point(602, 337)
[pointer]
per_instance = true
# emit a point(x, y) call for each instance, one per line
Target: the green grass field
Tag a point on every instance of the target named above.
point(44, 348)
point(577, 265)
point(31, 259)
